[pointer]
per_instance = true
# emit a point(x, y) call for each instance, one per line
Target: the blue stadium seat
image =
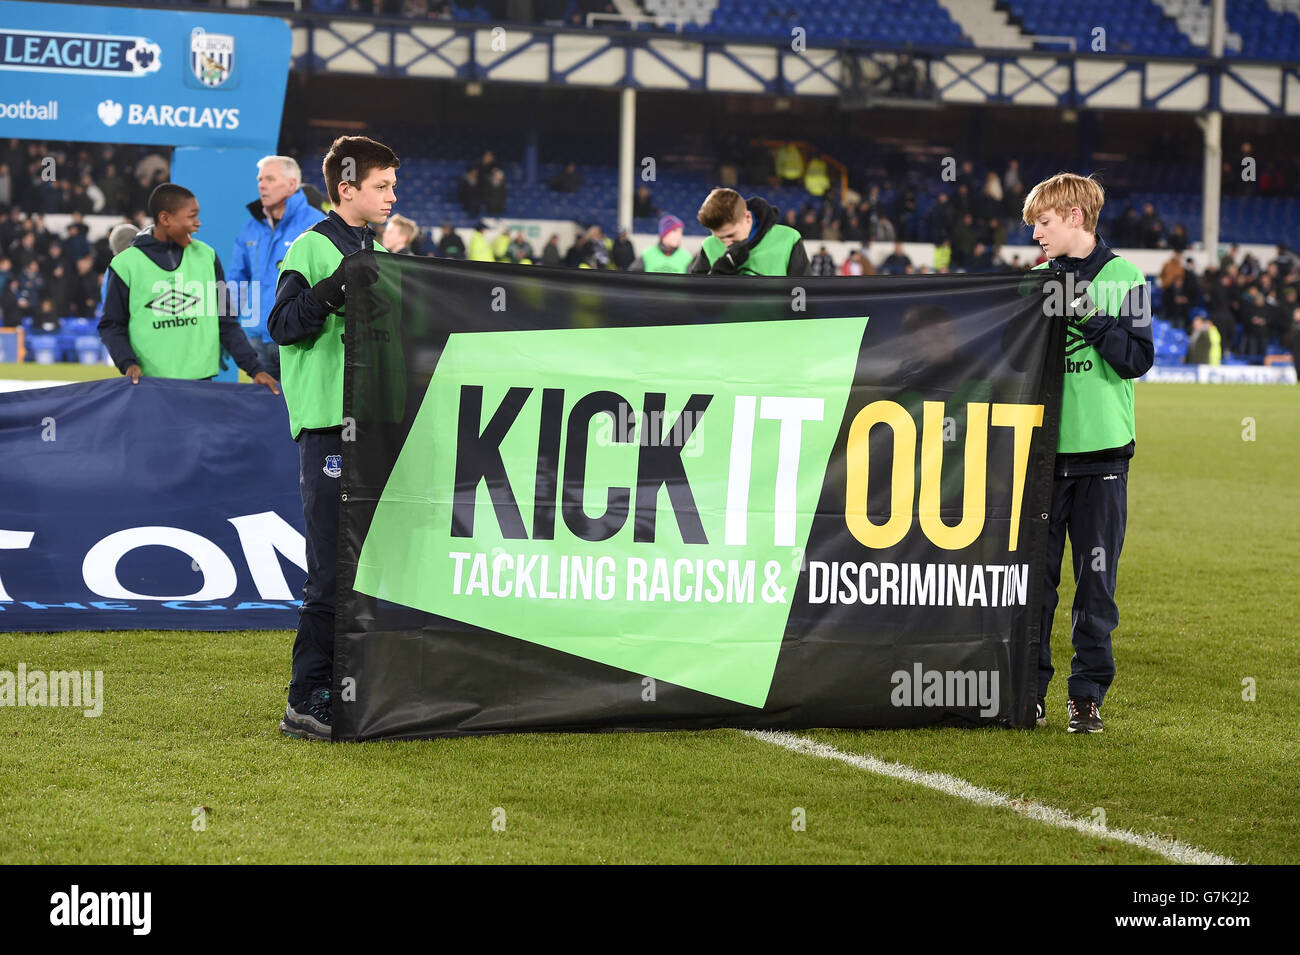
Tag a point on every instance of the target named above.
point(922, 23)
point(1137, 26)
point(1266, 34)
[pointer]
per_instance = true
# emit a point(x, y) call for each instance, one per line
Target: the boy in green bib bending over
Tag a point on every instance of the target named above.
point(747, 238)
point(307, 323)
point(166, 311)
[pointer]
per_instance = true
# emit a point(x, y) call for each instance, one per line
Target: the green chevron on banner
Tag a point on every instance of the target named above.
point(541, 480)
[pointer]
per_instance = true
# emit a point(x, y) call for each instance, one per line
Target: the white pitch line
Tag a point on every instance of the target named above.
point(1171, 849)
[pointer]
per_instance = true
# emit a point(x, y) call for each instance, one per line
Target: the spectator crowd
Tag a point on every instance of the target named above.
point(45, 275)
point(1252, 305)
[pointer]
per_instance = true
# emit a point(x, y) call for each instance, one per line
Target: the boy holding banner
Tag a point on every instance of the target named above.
point(747, 239)
point(307, 322)
point(1108, 344)
point(166, 310)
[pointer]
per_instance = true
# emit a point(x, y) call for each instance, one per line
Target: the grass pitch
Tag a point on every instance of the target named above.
point(189, 728)
point(64, 371)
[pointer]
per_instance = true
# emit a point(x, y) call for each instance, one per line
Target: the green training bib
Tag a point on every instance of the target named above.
point(1097, 410)
point(770, 257)
point(656, 261)
point(172, 315)
point(311, 371)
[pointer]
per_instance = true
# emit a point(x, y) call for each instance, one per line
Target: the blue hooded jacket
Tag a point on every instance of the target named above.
point(259, 250)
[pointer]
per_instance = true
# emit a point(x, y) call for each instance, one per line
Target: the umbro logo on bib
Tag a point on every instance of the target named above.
point(1074, 340)
point(172, 302)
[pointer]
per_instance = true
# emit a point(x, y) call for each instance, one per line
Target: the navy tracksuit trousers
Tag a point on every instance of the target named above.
point(1093, 508)
point(313, 649)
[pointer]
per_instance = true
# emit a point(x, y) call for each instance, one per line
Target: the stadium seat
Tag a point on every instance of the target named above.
point(921, 23)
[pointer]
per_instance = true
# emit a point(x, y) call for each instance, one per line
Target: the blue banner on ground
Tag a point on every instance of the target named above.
point(163, 505)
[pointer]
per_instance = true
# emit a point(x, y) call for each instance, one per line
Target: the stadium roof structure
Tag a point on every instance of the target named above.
point(631, 59)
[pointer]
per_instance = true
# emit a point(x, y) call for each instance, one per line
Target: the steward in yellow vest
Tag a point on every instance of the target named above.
point(1206, 347)
point(479, 249)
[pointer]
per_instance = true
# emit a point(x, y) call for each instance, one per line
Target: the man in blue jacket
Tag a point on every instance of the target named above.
point(280, 214)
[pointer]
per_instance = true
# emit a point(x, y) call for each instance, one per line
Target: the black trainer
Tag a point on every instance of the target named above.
point(310, 720)
point(1085, 715)
point(1040, 711)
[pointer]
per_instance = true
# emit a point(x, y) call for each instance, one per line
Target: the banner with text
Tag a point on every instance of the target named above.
point(120, 75)
point(163, 505)
point(585, 500)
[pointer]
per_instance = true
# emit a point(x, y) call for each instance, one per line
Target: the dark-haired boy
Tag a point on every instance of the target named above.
point(166, 312)
point(307, 323)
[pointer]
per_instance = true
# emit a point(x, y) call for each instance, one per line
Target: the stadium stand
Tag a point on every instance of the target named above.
point(906, 188)
point(918, 22)
point(429, 191)
point(1269, 29)
point(987, 24)
point(1193, 18)
point(49, 283)
point(889, 191)
point(1256, 29)
point(1132, 26)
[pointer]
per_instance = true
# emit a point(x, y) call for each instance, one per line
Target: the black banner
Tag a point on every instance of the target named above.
point(596, 501)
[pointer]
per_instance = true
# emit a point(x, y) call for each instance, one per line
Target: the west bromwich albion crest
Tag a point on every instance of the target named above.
point(212, 56)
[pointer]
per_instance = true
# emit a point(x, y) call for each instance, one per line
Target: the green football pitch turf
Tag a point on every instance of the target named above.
point(66, 371)
point(185, 764)
point(63, 371)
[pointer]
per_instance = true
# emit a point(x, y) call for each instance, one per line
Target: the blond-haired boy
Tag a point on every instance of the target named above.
point(1103, 299)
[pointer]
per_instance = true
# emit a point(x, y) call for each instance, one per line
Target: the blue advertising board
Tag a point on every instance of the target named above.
point(209, 85)
point(121, 75)
point(163, 505)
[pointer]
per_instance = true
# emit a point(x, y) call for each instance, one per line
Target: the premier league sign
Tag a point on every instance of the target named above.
point(83, 54)
point(136, 76)
point(151, 77)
